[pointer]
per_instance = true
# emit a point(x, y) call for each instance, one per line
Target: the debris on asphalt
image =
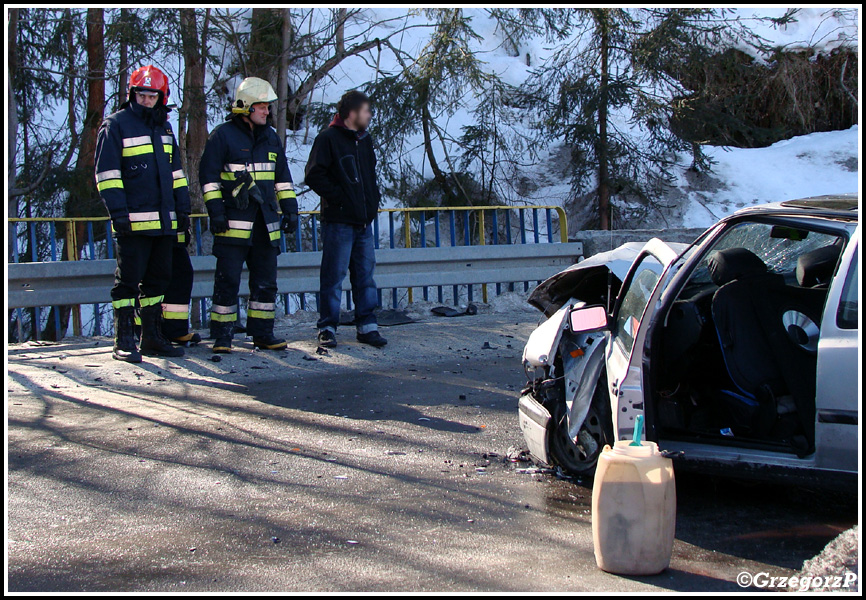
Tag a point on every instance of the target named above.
point(275, 540)
point(352, 542)
point(515, 454)
point(423, 418)
point(322, 351)
point(487, 346)
point(535, 471)
point(340, 476)
point(308, 357)
point(216, 358)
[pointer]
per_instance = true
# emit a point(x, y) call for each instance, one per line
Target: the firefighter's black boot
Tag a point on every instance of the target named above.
point(153, 342)
point(269, 342)
point(190, 339)
point(221, 332)
point(124, 335)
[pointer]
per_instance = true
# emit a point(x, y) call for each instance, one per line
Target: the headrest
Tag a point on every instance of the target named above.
point(734, 263)
point(816, 267)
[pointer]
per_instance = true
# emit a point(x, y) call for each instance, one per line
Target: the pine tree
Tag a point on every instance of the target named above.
point(608, 92)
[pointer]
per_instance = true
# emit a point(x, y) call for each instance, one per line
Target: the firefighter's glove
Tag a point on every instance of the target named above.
point(218, 225)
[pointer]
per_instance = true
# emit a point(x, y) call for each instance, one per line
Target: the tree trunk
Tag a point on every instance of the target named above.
point(603, 148)
point(283, 76)
point(123, 72)
point(438, 175)
point(83, 198)
point(340, 34)
point(193, 111)
point(85, 162)
point(12, 120)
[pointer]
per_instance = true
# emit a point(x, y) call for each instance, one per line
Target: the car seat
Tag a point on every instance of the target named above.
point(771, 372)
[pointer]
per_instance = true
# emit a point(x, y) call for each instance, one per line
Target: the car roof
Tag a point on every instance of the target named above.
point(844, 207)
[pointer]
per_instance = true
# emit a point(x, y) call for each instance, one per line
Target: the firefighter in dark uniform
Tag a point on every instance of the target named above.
point(141, 182)
point(175, 305)
point(244, 176)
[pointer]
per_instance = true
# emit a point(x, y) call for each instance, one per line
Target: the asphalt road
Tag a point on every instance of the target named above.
point(360, 470)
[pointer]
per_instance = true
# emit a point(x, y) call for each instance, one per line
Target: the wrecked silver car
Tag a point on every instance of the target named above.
point(740, 350)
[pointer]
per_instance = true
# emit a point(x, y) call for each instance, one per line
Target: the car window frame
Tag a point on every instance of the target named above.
point(852, 274)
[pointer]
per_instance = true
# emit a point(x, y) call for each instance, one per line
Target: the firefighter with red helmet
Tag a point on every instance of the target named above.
point(249, 197)
point(140, 179)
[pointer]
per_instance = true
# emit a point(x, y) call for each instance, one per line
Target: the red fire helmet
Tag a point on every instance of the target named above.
point(149, 79)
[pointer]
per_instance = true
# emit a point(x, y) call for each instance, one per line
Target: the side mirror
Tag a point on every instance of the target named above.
point(588, 319)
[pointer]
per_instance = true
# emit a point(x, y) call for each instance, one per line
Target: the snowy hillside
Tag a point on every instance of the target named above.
point(813, 164)
point(809, 165)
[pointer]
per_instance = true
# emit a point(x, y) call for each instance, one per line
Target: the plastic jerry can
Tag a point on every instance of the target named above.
point(634, 502)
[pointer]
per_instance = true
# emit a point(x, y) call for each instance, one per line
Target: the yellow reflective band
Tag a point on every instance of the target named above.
point(181, 237)
point(227, 176)
point(170, 314)
point(123, 302)
point(212, 195)
point(274, 235)
point(150, 301)
point(167, 149)
point(180, 182)
point(272, 156)
point(264, 175)
point(261, 314)
point(136, 150)
point(145, 225)
point(137, 320)
point(223, 318)
point(108, 184)
point(287, 194)
point(237, 233)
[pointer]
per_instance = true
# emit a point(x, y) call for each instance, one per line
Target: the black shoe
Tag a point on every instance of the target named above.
point(222, 345)
point(372, 338)
point(327, 339)
point(269, 342)
point(190, 339)
point(124, 336)
point(153, 342)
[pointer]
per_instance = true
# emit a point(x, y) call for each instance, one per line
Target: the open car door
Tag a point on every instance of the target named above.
point(635, 305)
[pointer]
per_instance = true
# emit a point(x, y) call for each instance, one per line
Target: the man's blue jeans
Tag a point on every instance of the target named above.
point(347, 247)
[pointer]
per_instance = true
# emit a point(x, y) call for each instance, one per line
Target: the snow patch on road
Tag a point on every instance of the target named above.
point(837, 559)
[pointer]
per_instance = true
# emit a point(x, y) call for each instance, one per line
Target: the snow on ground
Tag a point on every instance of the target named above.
point(808, 165)
point(839, 559)
point(823, 29)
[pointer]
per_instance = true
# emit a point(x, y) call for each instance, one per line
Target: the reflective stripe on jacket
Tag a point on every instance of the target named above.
point(138, 172)
point(231, 147)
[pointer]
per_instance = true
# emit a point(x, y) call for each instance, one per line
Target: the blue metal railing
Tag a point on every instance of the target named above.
point(86, 239)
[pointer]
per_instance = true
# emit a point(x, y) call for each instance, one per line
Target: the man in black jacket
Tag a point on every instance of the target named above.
point(244, 177)
point(140, 179)
point(342, 171)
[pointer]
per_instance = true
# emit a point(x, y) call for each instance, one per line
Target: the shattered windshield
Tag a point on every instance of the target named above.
point(778, 246)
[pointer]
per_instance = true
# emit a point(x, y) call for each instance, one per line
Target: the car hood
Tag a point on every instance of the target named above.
point(590, 279)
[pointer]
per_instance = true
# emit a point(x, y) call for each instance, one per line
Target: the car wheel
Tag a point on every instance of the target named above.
point(579, 456)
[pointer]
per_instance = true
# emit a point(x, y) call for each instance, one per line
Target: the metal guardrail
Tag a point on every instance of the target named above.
point(89, 282)
point(83, 239)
